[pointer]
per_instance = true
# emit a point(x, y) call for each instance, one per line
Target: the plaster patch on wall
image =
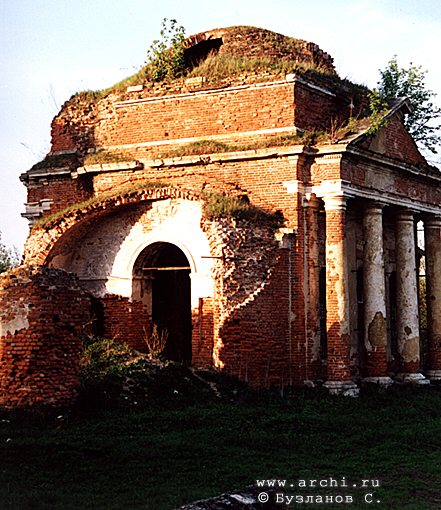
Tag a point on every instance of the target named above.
point(377, 332)
point(19, 322)
point(335, 252)
point(410, 350)
point(316, 345)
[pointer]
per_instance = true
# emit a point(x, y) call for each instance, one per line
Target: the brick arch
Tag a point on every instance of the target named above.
point(41, 245)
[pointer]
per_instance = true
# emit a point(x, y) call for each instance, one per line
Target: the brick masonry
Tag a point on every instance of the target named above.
point(43, 316)
point(273, 306)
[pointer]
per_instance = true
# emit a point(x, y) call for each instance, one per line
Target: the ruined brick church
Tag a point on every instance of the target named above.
point(254, 221)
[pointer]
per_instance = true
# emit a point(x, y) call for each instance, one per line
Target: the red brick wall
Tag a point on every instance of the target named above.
point(200, 115)
point(337, 322)
point(125, 321)
point(43, 314)
point(255, 338)
point(202, 334)
point(261, 179)
point(264, 340)
point(63, 191)
point(395, 182)
point(63, 138)
point(315, 110)
point(224, 112)
point(395, 142)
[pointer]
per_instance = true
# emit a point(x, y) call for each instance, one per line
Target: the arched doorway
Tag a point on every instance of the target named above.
point(162, 282)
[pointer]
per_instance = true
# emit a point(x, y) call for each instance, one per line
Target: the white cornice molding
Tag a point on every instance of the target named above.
point(289, 79)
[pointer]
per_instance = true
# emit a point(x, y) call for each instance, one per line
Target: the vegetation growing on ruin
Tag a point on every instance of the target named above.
point(379, 108)
point(165, 57)
point(218, 67)
point(103, 157)
point(166, 63)
point(114, 375)
point(337, 131)
point(9, 257)
point(202, 147)
point(56, 161)
point(198, 148)
point(72, 160)
point(123, 190)
point(423, 122)
point(218, 205)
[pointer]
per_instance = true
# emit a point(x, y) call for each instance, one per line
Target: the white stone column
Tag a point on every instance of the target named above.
point(432, 236)
point(337, 299)
point(408, 336)
point(374, 299)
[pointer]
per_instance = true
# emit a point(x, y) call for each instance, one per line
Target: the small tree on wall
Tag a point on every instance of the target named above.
point(423, 121)
point(165, 57)
point(9, 258)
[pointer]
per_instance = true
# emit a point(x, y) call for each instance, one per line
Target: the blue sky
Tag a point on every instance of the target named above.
point(54, 48)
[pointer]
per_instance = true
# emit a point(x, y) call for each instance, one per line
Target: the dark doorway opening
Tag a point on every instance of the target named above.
point(165, 274)
point(196, 54)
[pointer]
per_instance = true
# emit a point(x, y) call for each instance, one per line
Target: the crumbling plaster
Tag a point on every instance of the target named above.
point(105, 255)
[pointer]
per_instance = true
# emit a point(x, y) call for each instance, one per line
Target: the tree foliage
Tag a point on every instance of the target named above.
point(423, 121)
point(165, 57)
point(9, 258)
point(379, 108)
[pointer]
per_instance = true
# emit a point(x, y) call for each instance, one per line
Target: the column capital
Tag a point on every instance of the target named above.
point(405, 215)
point(432, 221)
point(372, 207)
point(335, 202)
point(311, 200)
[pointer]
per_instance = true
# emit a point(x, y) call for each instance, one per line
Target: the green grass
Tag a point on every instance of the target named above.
point(56, 161)
point(45, 220)
point(218, 205)
point(218, 67)
point(198, 148)
point(104, 156)
point(203, 147)
point(185, 444)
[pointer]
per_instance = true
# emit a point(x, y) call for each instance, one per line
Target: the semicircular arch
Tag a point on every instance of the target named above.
point(43, 243)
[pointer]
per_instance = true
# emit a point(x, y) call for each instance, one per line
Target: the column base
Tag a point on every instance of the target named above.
point(379, 381)
point(343, 388)
point(433, 375)
point(412, 378)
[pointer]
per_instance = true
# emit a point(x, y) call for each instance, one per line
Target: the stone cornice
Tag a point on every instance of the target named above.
point(428, 172)
point(290, 79)
point(341, 188)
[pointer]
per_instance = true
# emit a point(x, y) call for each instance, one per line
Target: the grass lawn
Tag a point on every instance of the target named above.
point(176, 441)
